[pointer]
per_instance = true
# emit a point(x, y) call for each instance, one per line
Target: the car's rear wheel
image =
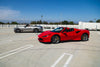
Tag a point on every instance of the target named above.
point(17, 31)
point(36, 30)
point(84, 37)
point(55, 39)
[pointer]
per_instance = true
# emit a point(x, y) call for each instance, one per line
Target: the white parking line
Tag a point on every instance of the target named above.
point(3, 55)
point(69, 59)
point(67, 62)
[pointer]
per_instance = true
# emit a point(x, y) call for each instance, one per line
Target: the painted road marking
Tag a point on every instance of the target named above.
point(58, 60)
point(67, 62)
point(6, 54)
point(69, 59)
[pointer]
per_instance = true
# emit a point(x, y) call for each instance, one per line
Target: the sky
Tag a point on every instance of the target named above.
point(51, 10)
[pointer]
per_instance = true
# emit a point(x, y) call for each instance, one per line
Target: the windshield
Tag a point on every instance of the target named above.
point(59, 29)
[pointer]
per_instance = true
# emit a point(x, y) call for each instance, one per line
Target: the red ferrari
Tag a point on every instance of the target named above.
point(63, 34)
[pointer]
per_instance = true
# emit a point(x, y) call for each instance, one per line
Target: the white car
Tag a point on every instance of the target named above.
point(28, 28)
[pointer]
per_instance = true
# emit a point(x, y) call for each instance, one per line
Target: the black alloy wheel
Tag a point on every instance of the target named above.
point(17, 31)
point(36, 30)
point(55, 39)
point(84, 37)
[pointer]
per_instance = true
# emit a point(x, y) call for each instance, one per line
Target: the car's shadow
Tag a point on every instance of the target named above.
point(71, 41)
point(31, 32)
point(63, 41)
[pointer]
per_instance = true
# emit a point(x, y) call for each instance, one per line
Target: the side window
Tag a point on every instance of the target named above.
point(68, 30)
point(71, 29)
point(65, 30)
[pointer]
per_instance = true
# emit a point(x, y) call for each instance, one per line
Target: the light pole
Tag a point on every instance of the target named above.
point(41, 18)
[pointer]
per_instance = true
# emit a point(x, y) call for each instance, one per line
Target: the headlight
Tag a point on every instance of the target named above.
point(46, 35)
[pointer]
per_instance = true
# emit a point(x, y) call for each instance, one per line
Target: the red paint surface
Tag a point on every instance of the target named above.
point(64, 36)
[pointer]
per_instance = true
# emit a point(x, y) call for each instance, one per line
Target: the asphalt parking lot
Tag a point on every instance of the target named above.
point(24, 50)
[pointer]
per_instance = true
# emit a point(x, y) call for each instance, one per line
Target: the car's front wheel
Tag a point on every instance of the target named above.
point(36, 31)
point(84, 37)
point(17, 31)
point(55, 39)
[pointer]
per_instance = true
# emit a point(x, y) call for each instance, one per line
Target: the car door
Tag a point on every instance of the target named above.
point(68, 34)
point(28, 28)
point(77, 34)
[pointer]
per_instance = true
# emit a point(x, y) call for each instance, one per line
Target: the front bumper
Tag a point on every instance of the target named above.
point(44, 39)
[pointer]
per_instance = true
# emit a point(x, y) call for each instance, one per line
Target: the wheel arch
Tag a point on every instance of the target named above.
point(35, 29)
point(85, 33)
point(17, 29)
point(56, 35)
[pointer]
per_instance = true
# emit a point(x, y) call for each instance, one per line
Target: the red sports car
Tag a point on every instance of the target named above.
point(63, 34)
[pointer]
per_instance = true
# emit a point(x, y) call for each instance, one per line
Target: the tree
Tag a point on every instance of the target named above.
point(1, 22)
point(71, 22)
point(56, 23)
point(60, 22)
point(65, 22)
point(33, 22)
point(44, 22)
point(51, 23)
point(39, 22)
point(14, 22)
point(7, 23)
point(91, 21)
point(98, 21)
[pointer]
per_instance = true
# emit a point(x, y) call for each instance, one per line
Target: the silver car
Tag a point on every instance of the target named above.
point(28, 28)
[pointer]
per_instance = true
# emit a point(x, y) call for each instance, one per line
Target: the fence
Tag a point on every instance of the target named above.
point(81, 25)
point(45, 26)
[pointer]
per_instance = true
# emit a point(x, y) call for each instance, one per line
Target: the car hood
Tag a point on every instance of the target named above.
point(45, 33)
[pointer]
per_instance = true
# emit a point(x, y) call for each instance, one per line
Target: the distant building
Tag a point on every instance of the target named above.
point(89, 26)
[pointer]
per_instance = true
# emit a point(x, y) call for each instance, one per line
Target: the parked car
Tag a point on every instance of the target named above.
point(63, 34)
point(28, 28)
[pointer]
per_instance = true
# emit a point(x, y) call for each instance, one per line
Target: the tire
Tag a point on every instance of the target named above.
point(17, 31)
point(36, 31)
point(84, 37)
point(55, 39)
